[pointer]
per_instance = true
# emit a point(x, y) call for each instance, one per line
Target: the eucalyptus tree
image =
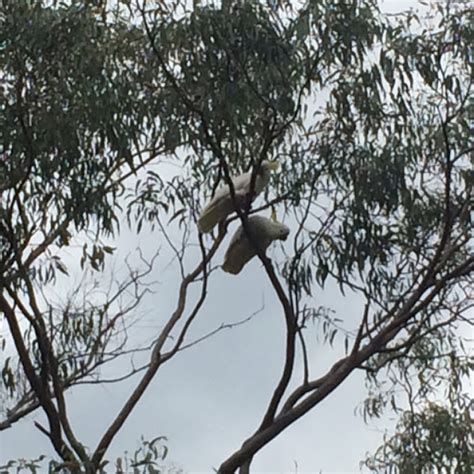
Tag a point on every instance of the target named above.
point(370, 118)
point(435, 438)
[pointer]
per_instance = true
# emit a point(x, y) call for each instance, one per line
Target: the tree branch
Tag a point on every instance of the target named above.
point(156, 357)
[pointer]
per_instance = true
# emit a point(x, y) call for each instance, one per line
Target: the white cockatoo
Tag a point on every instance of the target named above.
point(221, 205)
point(263, 232)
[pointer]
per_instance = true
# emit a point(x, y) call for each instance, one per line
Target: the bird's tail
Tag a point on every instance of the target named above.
point(213, 214)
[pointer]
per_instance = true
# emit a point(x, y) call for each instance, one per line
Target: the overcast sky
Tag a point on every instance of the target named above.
point(211, 397)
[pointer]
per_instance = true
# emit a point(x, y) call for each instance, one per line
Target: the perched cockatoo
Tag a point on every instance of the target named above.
point(221, 205)
point(263, 232)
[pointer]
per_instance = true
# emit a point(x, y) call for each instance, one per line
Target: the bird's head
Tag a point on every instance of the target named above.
point(281, 231)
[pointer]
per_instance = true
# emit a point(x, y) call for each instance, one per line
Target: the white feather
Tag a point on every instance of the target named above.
point(241, 250)
point(221, 205)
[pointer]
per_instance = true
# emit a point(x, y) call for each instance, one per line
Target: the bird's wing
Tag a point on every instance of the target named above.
point(218, 208)
point(241, 250)
point(221, 204)
point(242, 183)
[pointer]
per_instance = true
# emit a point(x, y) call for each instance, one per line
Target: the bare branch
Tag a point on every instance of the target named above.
point(156, 357)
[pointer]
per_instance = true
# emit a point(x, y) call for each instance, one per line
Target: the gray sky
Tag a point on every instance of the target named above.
point(211, 397)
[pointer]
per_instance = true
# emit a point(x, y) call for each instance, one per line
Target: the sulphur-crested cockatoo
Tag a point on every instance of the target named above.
point(263, 232)
point(221, 205)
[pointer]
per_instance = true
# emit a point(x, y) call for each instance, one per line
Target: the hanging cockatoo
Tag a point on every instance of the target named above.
point(263, 232)
point(221, 205)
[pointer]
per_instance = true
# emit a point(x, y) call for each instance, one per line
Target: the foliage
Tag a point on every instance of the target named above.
point(147, 459)
point(116, 113)
point(436, 438)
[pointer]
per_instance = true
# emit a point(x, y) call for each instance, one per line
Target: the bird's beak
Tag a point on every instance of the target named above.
point(273, 165)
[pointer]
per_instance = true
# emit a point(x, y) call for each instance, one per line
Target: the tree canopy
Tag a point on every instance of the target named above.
point(117, 114)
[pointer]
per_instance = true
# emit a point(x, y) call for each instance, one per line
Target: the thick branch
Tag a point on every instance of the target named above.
point(319, 389)
point(41, 392)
